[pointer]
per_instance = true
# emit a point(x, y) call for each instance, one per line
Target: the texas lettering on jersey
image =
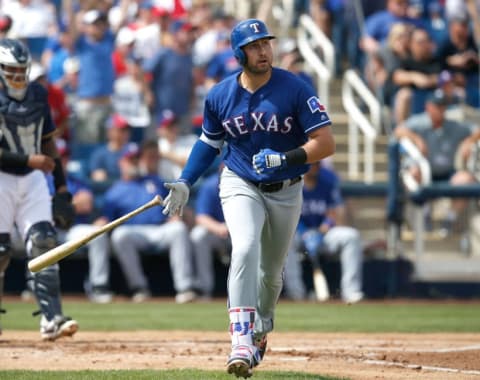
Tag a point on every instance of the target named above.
point(259, 121)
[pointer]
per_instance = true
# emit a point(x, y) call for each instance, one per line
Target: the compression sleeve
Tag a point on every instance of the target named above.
point(201, 157)
point(12, 160)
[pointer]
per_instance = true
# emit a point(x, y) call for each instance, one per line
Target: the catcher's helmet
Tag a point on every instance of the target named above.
point(15, 63)
point(245, 32)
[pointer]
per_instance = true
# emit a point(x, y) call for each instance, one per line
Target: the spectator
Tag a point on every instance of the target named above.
point(416, 77)
point(320, 232)
point(387, 60)
point(32, 21)
point(94, 44)
point(97, 283)
point(124, 45)
point(104, 160)
point(459, 53)
point(377, 25)
point(174, 148)
point(172, 79)
point(131, 98)
point(58, 49)
point(290, 59)
point(150, 230)
point(56, 100)
point(223, 62)
point(209, 235)
point(440, 140)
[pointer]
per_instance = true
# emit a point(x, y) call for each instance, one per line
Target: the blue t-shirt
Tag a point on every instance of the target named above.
point(106, 159)
point(222, 65)
point(125, 196)
point(208, 200)
point(279, 116)
point(96, 75)
point(317, 201)
point(378, 24)
point(172, 83)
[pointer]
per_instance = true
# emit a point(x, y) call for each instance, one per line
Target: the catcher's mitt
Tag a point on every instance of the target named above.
point(63, 211)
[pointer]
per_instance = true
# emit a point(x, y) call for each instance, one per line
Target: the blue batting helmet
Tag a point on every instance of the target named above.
point(245, 32)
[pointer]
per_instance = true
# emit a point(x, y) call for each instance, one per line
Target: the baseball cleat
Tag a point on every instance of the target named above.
point(261, 344)
point(240, 362)
point(58, 327)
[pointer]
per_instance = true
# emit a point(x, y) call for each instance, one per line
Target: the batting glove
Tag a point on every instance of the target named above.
point(268, 161)
point(176, 199)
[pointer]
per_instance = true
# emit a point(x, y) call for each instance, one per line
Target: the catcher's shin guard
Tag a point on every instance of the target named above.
point(45, 284)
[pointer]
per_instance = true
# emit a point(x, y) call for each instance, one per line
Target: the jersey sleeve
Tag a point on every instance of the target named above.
point(212, 128)
point(311, 112)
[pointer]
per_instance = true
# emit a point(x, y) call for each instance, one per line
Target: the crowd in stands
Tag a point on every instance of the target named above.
point(127, 79)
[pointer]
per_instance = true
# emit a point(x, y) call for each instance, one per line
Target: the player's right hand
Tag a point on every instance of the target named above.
point(176, 199)
point(41, 162)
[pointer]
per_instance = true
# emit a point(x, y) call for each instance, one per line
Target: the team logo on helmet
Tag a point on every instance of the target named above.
point(255, 26)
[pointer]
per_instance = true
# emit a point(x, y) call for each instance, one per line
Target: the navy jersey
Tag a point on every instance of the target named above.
point(23, 124)
point(208, 199)
point(125, 196)
point(279, 116)
point(317, 201)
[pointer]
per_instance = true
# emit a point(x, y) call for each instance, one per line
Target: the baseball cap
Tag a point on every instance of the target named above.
point(168, 118)
point(125, 36)
point(131, 151)
point(178, 25)
point(93, 15)
point(117, 121)
point(5, 23)
point(438, 97)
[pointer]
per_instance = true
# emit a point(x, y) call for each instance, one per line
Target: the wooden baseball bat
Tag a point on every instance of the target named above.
point(63, 250)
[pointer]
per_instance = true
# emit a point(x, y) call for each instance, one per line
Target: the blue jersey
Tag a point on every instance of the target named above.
point(125, 196)
point(208, 200)
point(23, 124)
point(279, 116)
point(317, 201)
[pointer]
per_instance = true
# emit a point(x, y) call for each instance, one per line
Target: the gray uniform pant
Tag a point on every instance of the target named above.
point(129, 240)
point(342, 240)
point(98, 252)
point(204, 245)
point(261, 226)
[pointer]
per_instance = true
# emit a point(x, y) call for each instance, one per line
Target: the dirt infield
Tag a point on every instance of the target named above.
point(354, 355)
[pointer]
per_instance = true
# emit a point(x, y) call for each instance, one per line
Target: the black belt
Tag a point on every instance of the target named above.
point(276, 186)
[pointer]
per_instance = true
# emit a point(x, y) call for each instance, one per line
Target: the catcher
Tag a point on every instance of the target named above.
point(27, 151)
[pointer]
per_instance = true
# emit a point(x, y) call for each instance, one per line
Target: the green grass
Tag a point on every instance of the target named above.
point(416, 317)
point(152, 375)
point(331, 317)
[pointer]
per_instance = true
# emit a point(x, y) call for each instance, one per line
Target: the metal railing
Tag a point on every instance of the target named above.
point(353, 87)
point(310, 39)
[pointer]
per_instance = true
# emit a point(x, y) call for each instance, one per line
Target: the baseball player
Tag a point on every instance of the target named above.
point(27, 149)
point(320, 233)
point(274, 126)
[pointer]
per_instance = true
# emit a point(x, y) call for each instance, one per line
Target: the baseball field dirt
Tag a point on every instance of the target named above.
point(357, 356)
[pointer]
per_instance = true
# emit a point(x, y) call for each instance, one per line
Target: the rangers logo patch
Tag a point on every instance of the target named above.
point(315, 105)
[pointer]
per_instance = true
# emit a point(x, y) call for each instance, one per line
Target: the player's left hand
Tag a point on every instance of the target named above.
point(63, 211)
point(268, 161)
